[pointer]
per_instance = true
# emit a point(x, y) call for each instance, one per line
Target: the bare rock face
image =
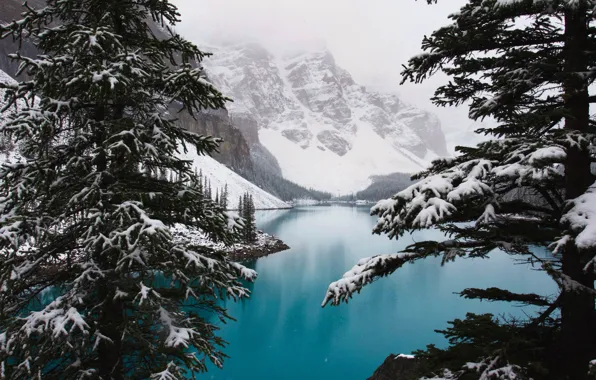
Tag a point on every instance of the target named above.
point(262, 159)
point(248, 126)
point(301, 137)
point(334, 142)
point(426, 126)
point(234, 152)
point(314, 82)
point(396, 367)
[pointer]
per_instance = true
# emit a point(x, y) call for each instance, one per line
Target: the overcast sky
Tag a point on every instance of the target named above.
point(369, 38)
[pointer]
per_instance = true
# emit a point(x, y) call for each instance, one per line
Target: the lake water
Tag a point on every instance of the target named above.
point(283, 333)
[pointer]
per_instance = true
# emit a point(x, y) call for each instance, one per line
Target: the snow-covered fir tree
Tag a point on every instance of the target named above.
point(208, 190)
point(200, 188)
point(246, 210)
point(86, 208)
point(223, 201)
point(529, 65)
point(240, 205)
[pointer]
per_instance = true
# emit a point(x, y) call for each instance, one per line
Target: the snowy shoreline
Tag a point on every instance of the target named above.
point(264, 245)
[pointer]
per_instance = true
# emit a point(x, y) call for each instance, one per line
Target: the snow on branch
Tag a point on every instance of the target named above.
point(244, 272)
point(467, 185)
point(170, 373)
point(177, 336)
point(435, 198)
point(363, 273)
point(56, 318)
point(569, 3)
point(581, 219)
point(491, 368)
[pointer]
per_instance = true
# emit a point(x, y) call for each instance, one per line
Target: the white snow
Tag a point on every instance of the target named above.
point(325, 170)
point(582, 219)
point(220, 175)
point(547, 155)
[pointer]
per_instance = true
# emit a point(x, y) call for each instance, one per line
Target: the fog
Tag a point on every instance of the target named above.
point(372, 39)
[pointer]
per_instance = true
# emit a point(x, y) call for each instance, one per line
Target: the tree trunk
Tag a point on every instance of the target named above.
point(110, 365)
point(577, 309)
point(110, 321)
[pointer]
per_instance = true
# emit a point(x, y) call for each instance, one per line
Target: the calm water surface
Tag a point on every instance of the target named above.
point(283, 333)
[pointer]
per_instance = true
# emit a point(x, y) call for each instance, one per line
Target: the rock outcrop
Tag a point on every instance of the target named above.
point(396, 367)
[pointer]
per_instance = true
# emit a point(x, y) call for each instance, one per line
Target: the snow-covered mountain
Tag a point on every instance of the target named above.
point(325, 130)
point(218, 174)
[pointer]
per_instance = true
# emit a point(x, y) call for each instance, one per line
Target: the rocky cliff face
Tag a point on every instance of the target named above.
point(261, 156)
point(324, 129)
point(234, 152)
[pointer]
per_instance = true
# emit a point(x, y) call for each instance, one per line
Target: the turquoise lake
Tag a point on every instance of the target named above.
point(283, 333)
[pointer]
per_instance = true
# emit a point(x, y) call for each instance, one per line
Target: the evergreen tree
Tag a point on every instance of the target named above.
point(248, 214)
point(224, 198)
point(281, 187)
point(200, 188)
point(79, 213)
point(245, 216)
point(208, 190)
point(217, 197)
point(529, 65)
point(253, 220)
point(241, 206)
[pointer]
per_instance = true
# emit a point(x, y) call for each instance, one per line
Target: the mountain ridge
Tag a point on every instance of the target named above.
point(324, 130)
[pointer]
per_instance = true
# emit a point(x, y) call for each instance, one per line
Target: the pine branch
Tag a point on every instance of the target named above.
point(496, 294)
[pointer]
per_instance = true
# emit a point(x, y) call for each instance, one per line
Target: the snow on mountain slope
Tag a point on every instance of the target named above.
point(326, 131)
point(218, 173)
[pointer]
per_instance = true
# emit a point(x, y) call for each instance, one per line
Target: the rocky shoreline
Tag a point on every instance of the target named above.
point(264, 246)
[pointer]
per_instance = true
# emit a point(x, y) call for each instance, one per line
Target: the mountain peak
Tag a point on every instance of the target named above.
point(325, 130)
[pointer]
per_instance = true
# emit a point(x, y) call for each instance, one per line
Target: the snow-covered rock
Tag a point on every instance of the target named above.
point(325, 130)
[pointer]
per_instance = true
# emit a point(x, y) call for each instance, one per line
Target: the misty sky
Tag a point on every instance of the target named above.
point(369, 38)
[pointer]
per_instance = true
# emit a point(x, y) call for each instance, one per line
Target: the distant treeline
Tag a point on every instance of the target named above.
point(382, 187)
point(284, 189)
